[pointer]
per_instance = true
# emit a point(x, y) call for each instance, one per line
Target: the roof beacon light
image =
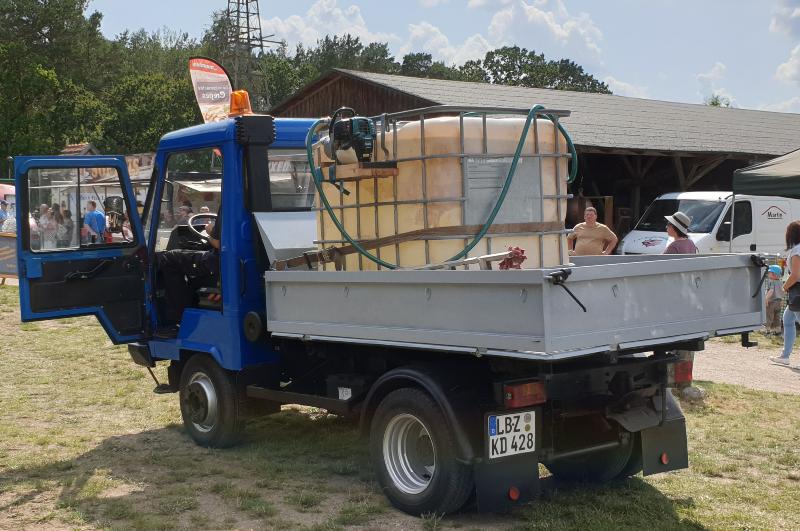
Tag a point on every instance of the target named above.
point(240, 103)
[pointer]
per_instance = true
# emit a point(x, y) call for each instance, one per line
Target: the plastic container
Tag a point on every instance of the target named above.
point(442, 185)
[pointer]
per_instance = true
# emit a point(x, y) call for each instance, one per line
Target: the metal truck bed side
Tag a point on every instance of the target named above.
point(632, 304)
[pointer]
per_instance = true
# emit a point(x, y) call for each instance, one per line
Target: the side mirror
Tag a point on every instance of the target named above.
point(724, 232)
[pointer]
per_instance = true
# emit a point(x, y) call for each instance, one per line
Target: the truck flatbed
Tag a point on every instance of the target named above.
point(633, 303)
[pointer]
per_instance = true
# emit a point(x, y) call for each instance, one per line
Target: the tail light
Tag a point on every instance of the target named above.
point(524, 394)
point(679, 374)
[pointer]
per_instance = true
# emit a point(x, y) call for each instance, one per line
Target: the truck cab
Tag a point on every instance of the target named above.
point(758, 223)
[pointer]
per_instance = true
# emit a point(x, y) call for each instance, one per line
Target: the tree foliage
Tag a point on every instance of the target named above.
point(62, 81)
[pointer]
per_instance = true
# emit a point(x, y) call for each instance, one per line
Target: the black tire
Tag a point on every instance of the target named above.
point(442, 490)
point(635, 462)
point(217, 426)
point(599, 467)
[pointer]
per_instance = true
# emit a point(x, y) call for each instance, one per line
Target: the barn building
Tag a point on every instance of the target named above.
point(629, 149)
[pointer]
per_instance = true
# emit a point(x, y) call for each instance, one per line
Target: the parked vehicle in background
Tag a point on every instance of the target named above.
point(759, 223)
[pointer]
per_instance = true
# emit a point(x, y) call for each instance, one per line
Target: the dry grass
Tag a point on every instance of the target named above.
point(84, 444)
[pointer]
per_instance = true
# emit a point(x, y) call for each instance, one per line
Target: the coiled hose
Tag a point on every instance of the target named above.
point(318, 180)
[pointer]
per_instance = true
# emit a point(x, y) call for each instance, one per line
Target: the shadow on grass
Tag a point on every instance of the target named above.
point(159, 479)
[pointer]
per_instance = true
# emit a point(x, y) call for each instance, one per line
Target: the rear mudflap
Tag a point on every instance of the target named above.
point(664, 447)
point(494, 482)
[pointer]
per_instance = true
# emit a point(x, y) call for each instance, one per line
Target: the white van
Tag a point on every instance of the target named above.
point(759, 223)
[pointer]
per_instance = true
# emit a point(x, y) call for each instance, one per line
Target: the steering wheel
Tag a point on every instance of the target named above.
point(193, 224)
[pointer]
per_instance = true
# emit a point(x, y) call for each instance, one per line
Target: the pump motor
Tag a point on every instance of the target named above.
point(351, 139)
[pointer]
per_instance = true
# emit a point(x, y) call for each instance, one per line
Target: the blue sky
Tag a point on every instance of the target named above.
point(676, 50)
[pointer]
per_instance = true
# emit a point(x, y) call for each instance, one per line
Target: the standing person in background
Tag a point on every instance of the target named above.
point(3, 211)
point(774, 299)
point(47, 227)
point(94, 223)
point(790, 317)
point(678, 229)
point(591, 237)
point(69, 227)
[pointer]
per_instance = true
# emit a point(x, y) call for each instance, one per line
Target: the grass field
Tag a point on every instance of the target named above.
point(84, 444)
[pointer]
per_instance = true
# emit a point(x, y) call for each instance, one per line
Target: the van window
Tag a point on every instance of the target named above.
point(704, 214)
point(743, 220)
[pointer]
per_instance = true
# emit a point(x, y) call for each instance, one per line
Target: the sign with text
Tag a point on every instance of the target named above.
point(212, 88)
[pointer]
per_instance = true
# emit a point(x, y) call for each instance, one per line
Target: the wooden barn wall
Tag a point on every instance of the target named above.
point(365, 98)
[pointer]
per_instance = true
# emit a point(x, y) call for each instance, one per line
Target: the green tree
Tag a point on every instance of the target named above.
point(144, 107)
point(512, 65)
point(717, 100)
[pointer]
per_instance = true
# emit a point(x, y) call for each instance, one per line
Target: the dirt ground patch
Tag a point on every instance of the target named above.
point(729, 362)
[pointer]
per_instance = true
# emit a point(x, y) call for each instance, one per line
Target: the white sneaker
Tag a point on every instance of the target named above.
point(779, 360)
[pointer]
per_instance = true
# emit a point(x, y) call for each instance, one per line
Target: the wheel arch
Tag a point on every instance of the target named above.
point(432, 381)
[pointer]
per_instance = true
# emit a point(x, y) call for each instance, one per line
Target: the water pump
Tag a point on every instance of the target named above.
point(352, 138)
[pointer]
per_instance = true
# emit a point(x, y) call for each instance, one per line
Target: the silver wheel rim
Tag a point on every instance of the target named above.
point(203, 390)
point(409, 454)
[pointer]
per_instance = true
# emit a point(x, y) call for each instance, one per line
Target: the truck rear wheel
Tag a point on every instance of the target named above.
point(210, 403)
point(601, 466)
point(414, 455)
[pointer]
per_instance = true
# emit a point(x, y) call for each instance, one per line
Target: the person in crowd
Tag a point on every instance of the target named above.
point(3, 211)
point(793, 268)
point(591, 237)
point(62, 235)
point(47, 227)
point(94, 223)
point(774, 299)
point(678, 229)
point(69, 229)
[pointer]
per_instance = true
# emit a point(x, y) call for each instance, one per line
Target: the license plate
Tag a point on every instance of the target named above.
point(513, 433)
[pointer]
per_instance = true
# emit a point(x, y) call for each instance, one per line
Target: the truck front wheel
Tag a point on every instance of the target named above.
point(414, 454)
point(210, 403)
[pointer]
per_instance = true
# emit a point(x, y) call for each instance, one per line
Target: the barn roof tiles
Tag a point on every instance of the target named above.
point(617, 122)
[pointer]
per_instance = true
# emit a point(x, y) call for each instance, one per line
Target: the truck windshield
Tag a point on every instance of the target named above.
point(704, 214)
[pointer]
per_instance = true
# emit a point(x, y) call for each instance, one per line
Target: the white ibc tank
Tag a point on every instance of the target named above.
point(442, 185)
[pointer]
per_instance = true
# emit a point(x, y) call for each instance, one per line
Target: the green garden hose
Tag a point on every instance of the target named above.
point(318, 179)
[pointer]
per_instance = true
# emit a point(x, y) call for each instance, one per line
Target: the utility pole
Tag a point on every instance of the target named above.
point(245, 46)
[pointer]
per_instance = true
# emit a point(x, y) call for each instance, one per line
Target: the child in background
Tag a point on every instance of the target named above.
point(774, 299)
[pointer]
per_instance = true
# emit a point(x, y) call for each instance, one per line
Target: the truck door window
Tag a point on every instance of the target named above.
point(742, 221)
point(193, 185)
point(72, 208)
point(290, 181)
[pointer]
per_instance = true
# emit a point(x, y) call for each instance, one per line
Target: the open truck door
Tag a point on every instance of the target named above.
point(80, 245)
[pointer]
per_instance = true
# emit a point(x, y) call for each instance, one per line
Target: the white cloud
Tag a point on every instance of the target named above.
point(324, 17)
point(711, 83)
point(623, 88)
point(511, 22)
point(554, 16)
point(786, 18)
point(790, 70)
point(500, 23)
point(714, 74)
point(790, 105)
point(429, 38)
point(473, 4)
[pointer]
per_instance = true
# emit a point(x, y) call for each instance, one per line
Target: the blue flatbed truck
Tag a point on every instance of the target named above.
point(464, 381)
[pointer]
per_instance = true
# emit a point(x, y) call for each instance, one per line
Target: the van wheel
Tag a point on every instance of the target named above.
point(210, 403)
point(599, 467)
point(414, 455)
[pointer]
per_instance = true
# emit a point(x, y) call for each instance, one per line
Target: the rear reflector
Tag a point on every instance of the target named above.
point(513, 494)
point(680, 373)
point(524, 394)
